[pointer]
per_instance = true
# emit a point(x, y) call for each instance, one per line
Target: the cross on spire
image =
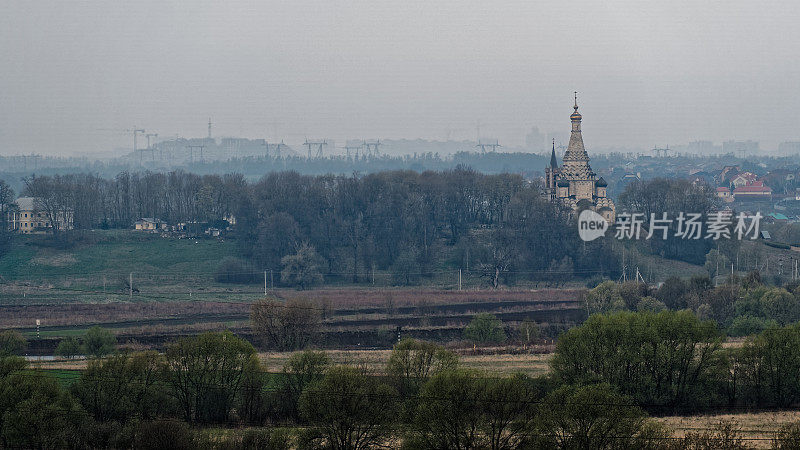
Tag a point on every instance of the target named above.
point(576, 101)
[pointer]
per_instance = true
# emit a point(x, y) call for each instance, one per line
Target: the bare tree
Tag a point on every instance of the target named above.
point(286, 326)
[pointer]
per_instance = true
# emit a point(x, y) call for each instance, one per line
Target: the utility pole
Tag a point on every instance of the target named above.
point(265, 283)
point(371, 146)
point(459, 279)
point(490, 145)
point(271, 280)
point(191, 152)
point(352, 147)
point(319, 145)
point(130, 286)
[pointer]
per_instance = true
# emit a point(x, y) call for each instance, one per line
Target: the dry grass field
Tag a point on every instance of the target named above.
point(502, 364)
point(756, 428)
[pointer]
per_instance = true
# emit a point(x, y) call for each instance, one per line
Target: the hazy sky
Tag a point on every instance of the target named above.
point(647, 72)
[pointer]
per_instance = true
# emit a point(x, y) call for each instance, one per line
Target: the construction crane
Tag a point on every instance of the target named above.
point(134, 130)
point(319, 145)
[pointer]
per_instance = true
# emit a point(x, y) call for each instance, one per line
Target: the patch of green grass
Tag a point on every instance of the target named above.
point(113, 252)
point(65, 377)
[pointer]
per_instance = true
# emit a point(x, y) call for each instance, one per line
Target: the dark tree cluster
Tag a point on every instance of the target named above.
point(657, 196)
point(408, 223)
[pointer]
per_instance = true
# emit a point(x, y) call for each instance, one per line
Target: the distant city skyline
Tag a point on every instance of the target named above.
point(77, 74)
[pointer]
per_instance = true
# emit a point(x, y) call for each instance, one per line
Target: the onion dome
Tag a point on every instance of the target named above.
point(575, 115)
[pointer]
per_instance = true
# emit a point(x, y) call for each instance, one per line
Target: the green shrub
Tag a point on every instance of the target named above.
point(605, 297)
point(450, 412)
point(12, 343)
point(125, 385)
point(98, 342)
point(160, 434)
point(68, 348)
point(208, 374)
point(485, 328)
point(303, 369)
point(749, 325)
point(412, 362)
point(35, 412)
point(596, 417)
point(650, 304)
point(350, 409)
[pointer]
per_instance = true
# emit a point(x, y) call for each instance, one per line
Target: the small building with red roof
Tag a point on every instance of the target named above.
point(756, 190)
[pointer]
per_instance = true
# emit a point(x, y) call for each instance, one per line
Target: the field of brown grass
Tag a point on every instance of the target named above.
point(502, 364)
point(347, 311)
point(756, 428)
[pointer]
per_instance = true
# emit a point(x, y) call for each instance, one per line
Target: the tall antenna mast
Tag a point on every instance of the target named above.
point(209, 127)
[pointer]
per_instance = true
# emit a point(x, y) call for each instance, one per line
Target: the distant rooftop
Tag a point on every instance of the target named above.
point(25, 203)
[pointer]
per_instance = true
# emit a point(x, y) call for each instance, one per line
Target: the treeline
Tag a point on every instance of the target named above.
point(607, 376)
point(674, 363)
point(174, 197)
point(740, 306)
point(344, 227)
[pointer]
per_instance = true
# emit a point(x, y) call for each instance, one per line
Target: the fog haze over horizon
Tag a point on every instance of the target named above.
point(76, 74)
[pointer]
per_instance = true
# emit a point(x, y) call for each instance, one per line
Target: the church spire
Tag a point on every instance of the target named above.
point(575, 150)
point(553, 159)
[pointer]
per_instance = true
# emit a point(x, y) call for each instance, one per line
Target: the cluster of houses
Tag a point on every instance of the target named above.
point(27, 216)
point(776, 193)
point(741, 185)
point(155, 225)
